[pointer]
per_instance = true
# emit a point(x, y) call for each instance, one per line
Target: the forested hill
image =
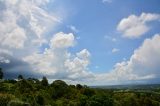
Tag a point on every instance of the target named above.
point(33, 92)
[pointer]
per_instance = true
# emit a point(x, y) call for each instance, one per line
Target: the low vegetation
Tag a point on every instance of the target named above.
point(33, 92)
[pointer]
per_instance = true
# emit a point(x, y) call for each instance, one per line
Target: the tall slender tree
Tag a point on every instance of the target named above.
point(44, 81)
point(20, 77)
point(1, 73)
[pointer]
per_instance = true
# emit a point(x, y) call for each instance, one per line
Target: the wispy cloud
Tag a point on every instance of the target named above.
point(114, 50)
point(107, 1)
point(110, 38)
point(73, 28)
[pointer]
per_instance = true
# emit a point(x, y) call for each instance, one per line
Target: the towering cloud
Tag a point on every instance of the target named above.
point(57, 62)
point(142, 66)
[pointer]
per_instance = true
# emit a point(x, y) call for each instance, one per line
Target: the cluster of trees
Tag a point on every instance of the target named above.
point(34, 92)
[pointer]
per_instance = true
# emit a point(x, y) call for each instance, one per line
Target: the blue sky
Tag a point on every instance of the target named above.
point(81, 41)
point(97, 23)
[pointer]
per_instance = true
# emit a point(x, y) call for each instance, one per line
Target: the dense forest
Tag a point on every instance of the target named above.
point(34, 92)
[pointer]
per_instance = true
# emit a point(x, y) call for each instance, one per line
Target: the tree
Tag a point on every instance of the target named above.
point(59, 83)
point(79, 86)
point(60, 88)
point(82, 99)
point(23, 86)
point(20, 77)
point(88, 92)
point(44, 81)
point(1, 73)
point(101, 100)
point(40, 100)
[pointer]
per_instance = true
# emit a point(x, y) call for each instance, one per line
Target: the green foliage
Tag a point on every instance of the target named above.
point(44, 81)
point(59, 83)
point(83, 100)
point(10, 81)
point(5, 99)
point(32, 92)
point(23, 86)
point(100, 100)
point(40, 100)
point(79, 86)
point(59, 88)
point(18, 103)
point(88, 92)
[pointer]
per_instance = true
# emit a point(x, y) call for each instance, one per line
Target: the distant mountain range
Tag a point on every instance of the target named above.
point(133, 86)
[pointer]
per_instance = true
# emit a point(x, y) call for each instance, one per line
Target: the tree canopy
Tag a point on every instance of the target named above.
point(33, 92)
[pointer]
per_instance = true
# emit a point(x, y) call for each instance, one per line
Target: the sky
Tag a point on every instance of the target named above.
point(92, 42)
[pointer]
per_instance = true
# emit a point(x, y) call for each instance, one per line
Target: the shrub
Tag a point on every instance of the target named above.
point(5, 98)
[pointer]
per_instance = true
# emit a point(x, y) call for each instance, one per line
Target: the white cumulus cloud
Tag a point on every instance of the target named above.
point(57, 62)
point(136, 26)
point(61, 40)
point(143, 65)
point(22, 21)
